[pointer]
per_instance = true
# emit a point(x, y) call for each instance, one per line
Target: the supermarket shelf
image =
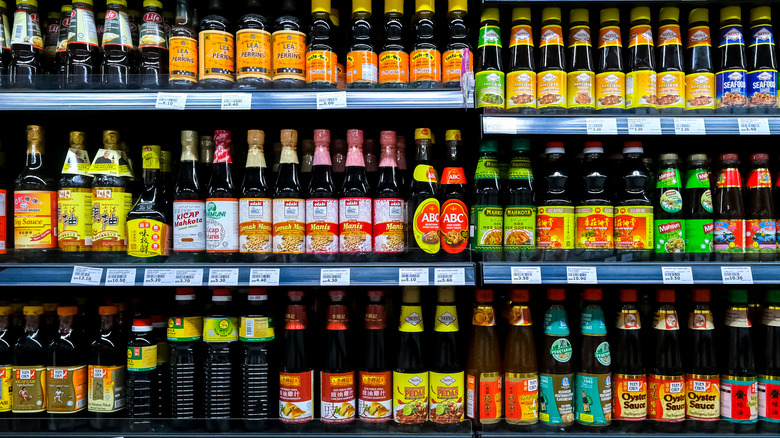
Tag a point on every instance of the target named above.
point(631, 125)
point(232, 100)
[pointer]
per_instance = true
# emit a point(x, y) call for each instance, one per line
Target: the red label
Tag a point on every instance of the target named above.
point(338, 397)
point(295, 397)
point(629, 397)
point(295, 318)
point(739, 399)
point(375, 402)
point(768, 399)
point(35, 219)
point(666, 398)
point(389, 225)
point(485, 397)
point(702, 397)
point(729, 178)
point(153, 17)
point(222, 155)
point(522, 394)
point(337, 317)
point(760, 178)
point(454, 226)
point(3, 215)
point(453, 175)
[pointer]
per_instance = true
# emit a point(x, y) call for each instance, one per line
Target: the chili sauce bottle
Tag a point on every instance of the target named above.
point(490, 70)
point(520, 205)
point(289, 51)
point(702, 383)
point(183, 48)
point(446, 377)
point(454, 216)
point(222, 204)
point(74, 203)
point(629, 382)
point(556, 368)
point(393, 60)
point(216, 49)
point(521, 79)
point(610, 75)
point(29, 371)
point(111, 199)
point(555, 224)
point(668, 212)
point(762, 63)
point(410, 376)
point(593, 394)
point(425, 59)
point(641, 79)
point(423, 206)
point(731, 79)
point(117, 47)
point(551, 79)
point(147, 221)
point(699, 72)
point(729, 230)
point(337, 377)
point(362, 62)
point(253, 49)
point(769, 373)
point(699, 218)
point(26, 45)
point(593, 213)
point(83, 46)
point(487, 213)
point(666, 383)
point(484, 373)
point(633, 208)
point(355, 216)
point(521, 369)
point(458, 43)
point(389, 206)
point(670, 87)
point(581, 77)
point(189, 205)
point(255, 224)
point(375, 378)
point(321, 59)
point(289, 208)
point(738, 380)
point(322, 204)
point(760, 226)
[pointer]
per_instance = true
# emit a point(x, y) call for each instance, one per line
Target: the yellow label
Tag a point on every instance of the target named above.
point(141, 358)
point(521, 89)
point(447, 396)
point(253, 54)
point(29, 389)
point(700, 91)
point(670, 89)
point(76, 162)
point(641, 89)
point(110, 206)
point(74, 207)
point(551, 89)
point(151, 157)
point(410, 397)
point(581, 88)
point(426, 225)
point(184, 328)
point(183, 59)
point(216, 55)
point(411, 319)
point(259, 329)
point(446, 319)
point(110, 162)
point(220, 329)
point(35, 221)
point(147, 238)
point(66, 389)
point(611, 90)
point(106, 388)
point(6, 387)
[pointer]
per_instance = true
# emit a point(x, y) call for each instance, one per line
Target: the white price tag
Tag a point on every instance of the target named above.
point(120, 277)
point(601, 126)
point(449, 276)
point(736, 274)
point(413, 277)
point(677, 274)
point(223, 277)
point(189, 277)
point(753, 126)
point(172, 101)
point(334, 100)
point(499, 125)
point(526, 275)
point(334, 277)
point(648, 126)
point(689, 126)
point(581, 275)
point(236, 101)
point(264, 277)
point(159, 277)
point(87, 276)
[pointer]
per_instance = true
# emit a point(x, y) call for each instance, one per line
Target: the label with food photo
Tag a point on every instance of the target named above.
point(670, 89)
point(447, 390)
point(594, 226)
point(611, 90)
point(389, 225)
point(255, 225)
point(551, 89)
point(289, 226)
point(454, 226)
point(669, 236)
point(519, 227)
point(410, 397)
point(581, 89)
point(633, 227)
point(521, 89)
point(731, 88)
point(426, 226)
point(700, 91)
point(355, 229)
point(322, 219)
point(488, 228)
point(555, 227)
point(375, 403)
point(338, 397)
point(295, 397)
point(729, 235)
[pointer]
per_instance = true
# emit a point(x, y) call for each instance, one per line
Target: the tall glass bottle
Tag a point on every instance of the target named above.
point(355, 217)
point(769, 372)
point(322, 241)
point(666, 383)
point(594, 214)
point(641, 65)
point(183, 48)
point(668, 213)
point(321, 59)
point(289, 207)
point(490, 70)
point(142, 388)
point(216, 49)
point(699, 71)
point(29, 383)
point(762, 63)
point(629, 381)
point(760, 226)
point(206, 150)
point(633, 208)
point(551, 78)
point(189, 206)
point(425, 59)
point(254, 206)
point(372, 165)
point(738, 380)
point(6, 363)
point(117, 46)
point(521, 369)
point(375, 378)
point(147, 221)
point(362, 61)
point(520, 205)
point(289, 63)
point(521, 78)
point(400, 160)
point(484, 368)
point(555, 219)
point(731, 78)
point(487, 213)
point(153, 44)
point(74, 203)
point(253, 48)
point(221, 204)
point(389, 204)
point(446, 376)
point(410, 376)
point(458, 43)
point(111, 199)
point(610, 75)
point(296, 376)
point(393, 59)
point(699, 218)
point(83, 46)
point(556, 367)
point(670, 87)
point(729, 229)
point(701, 371)
point(337, 377)
point(26, 45)
point(581, 77)
point(454, 216)
point(66, 383)
point(593, 393)
point(423, 207)
point(257, 334)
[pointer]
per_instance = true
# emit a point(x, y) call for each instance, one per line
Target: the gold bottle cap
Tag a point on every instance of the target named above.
point(551, 14)
point(320, 6)
point(394, 6)
point(66, 8)
point(6, 310)
point(669, 14)
point(255, 137)
point(189, 137)
point(452, 135)
point(699, 15)
point(361, 6)
point(289, 137)
point(153, 4)
point(489, 14)
point(640, 13)
point(609, 15)
point(27, 2)
point(32, 310)
point(77, 139)
point(521, 14)
point(35, 134)
point(88, 2)
point(111, 139)
point(422, 134)
point(334, 16)
point(117, 2)
point(579, 15)
point(760, 13)
point(730, 13)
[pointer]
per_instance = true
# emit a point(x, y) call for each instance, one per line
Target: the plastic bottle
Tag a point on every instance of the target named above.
point(220, 335)
point(670, 90)
point(162, 404)
point(700, 77)
point(400, 160)
point(666, 383)
point(185, 334)
point(593, 393)
point(641, 65)
point(729, 230)
point(372, 165)
point(731, 79)
point(702, 383)
point(26, 45)
point(142, 390)
point(760, 226)
point(520, 206)
point(738, 380)
point(556, 382)
point(555, 218)
point(83, 47)
point(629, 381)
point(594, 214)
point(581, 77)
point(521, 369)
point(257, 334)
point(147, 221)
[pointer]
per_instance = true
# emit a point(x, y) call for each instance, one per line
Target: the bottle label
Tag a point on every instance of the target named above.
point(666, 320)
point(147, 238)
point(355, 225)
point(561, 350)
point(551, 35)
point(633, 228)
point(581, 89)
point(579, 36)
point(768, 398)
point(453, 175)
point(253, 54)
point(699, 91)
point(454, 225)
point(338, 397)
point(426, 225)
point(702, 399)
point(699, 178)
point(35, 219)
point(609, 36)
point(321, 67)
point(699, 36)
point(594, 404)
point(641, 35)
point(700, 319)
point(641, 89)
point(425, 173)
point(490, 89)
point(760, 235)
point(555, 227)
point(66, 389)
point(522, 35)
point(375, 403)
point(489, 36)
point(669, 236)
point(189, 226)
point(183, 59)
point(410, 397)
point(116, 31)
point(484, 316)
point(731, 35)
point(110, 162)
point(216, 55)
point(729, 178)
point(62, 40)
point(592, 324)
point(27, 30)
point(488, 226)
point(483, 400)
point(521, 89)
point(737, 317)
point(771, 316)
point(671, 89)
point(699, 235)
point(82, 28)
point(739, 399)
point(760, 178)
point(362, 67)
point(74, 206)
point(341, 76)
point(669, 35)
point(389, 225)
point(452, 61)
point(761, 35)
point(762, 88)
point(289, 226)
point(519, 227)
point(259, 329)
point(519, 316)
point(731, 88)
point(152, 32)
point(522, 395)
point(76, 163)
point(729, 235)
point(221, 225)
point(628, 319)
point(447, 390)
point(446, 319)
point(106, 388)
point(425, 65)
point(255, 225)
point(551, 88)
point(184, 328)
point(594, 227)
point(630, 397)
point(411, 319)
point(29, 389)
point(555, 399)
point(141, 358)
point(110, 206)
point(393, 67)
point(6, 381)
point(322, 226)
point(295, 397)
point(611, 90)
point(666, 398)
point(220, 329)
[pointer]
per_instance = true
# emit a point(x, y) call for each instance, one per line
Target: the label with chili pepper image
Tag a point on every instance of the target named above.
point(702, 400)
point(216, 55)
point(666, 398)
point(555, 227)
point(410, 397)
point(611, 90)
point(447, 390)
point(739, 399)
point(375, 403)
point(594, 227)
point(629, 397)
point(769, 398)
point(295, 397)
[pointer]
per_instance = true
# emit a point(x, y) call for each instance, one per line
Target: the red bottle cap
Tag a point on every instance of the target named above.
point(185, 291)
point(700, 295)
point(665, 295)
point(375, 293)
point(519, 295)
point(729, 157)
point(592, 294)
point(67, 310)
point(222, 137)
point(556, 294)
point(221, 294)
point(760, 156)
point(627, 295)
point(554, 147)
point(337, 293)
point(258, 291)
point(142, 325)
point(387, 137)
point(355, 136)
point(321, 136)
point(295, 293)
point(632, 147)
point(593, 147)
point(485, 295)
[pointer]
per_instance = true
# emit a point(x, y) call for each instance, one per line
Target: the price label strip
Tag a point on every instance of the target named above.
point(736, 274)
point(223, 277)
point(334, 277)
point(171, 101)
point(449, 277)
point(526, 275)
point(689, 126)
point(159, 277)
point(601, 126)
point(648, 126)
point(337, 100)
point(264, 277)
point(236, 101)
point(581, 275)
point(86, 275)
point(753, 126)
point(413, 277)
point(120, 277)
point(189, 277)
point(677, 274)
point(499, 125)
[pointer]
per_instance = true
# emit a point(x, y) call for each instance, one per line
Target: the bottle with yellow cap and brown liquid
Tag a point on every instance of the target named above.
point(458, 43)
point(393, 59)
point(699, 75)
point(26, 45)
point(50, 39)
point(731, 79)
point(74, 203)
point(551, 80)
point(66, 383)
point(762, 63)
point(153, 44)
point(581, 78)
point(117, 46)
point(83, 46)
point(148, 229)
point(183, 48)
point(425, 59)
point(610, 75)
point(29, 384)
point(362, 61)
point(670, 87)
point(216, 49)
point(111, 199)
point(423, 206)
point(289, 49)
point(410, 375)
point(253, 48)
point(320, 57)
point(641, 78)
point(489, 80)
point(521, 79)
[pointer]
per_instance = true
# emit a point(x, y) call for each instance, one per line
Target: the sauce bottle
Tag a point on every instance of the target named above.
point(222, 204)
point(738, 381)
point(142, 387)
point(593, 394)
point(641, 65)
point(458, 44)
point(389, 206)
point(521, 369)
point(555, 223)
point(254, 206)
point(134, 16)
point(702, 382)
point(423, 207)
point(322, 206)
point(29, 381)
point(629, 382)
point(337, 378)
point(729, 229)
point(669, 216)
point(321, 58)
point(581, 78)
point(762, 65)
point(216, 49)
point(50, 40)
point(161, 404)
point(670, 90)
point(410, 376)
point(393, 59)
point(189, 206)
point(666, 383)
point(520, 205)
point(362, 61)
point(341, 74)
point(633, 209)
point(107, 372)
point(111, 199)
point(117, 46)
point(731, 79)
point(61, 57)
point(289, 51)
point(147, 221)
point(551, 78)
point(699, 78)
point(257, 334)
point(447, 383)
point(183, 48)
point(556, 383)
point(699, 216)
point(375, 378)
point(760, 227)
point(296, 376)
point(425, 59)
point(253, 49)
point(74, 202)
point(66, 383)
point(454, 216)
point(6, 364)
point(5, 45)
point(220, 335)
point(521, 79)
point(484, 368)
point(153, 44)
point(184, 335)
point(487, 213)
point(490, 70)
point(769, 374)
point(594, 214)
point(289, 208)
point(26, 45)
point(355, 216)
point(83, 46)
point(400, 160)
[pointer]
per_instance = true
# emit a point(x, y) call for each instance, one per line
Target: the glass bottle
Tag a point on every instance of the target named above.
point(337, 376)
point(670, 89)
point(189, 205)
point(321, 59)
point(452, 58)
point(669, 215)
point(148, 221)
point(222, 228)
point(641, 77)
point(111, 199)
point(520, 366)
point(446, 377)
point(731, 77)
point(26, 45)
point(362, 61)
point(520, 205)
point(375, 378)
point(699, 71)
point(425, 59)
point(254, 207)
point(738, 379)
point(322, 205)
point(633, 208)
point(666, 382)
point(454, 216)
point(253, 49)
point(556, 367)
point(760, 226)
point(610, 74)
point(729, 230)
point(393, 59)
point(183, 48)
point(551, 78)
point(581, 77)
point(355, 216)
point(29, 391)
point(701, 369)
point(410, 376)
point(216, 49)
point(83, 46)
point(490, 70)
point(74, 203)
point(521, 78)
point(423, 207)
point(593, 386)
point(629, 380)
point(289, 64)
point(487, 213)
point(289, 208)
point(762, 63)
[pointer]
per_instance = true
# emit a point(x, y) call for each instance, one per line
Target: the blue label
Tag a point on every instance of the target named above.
point(761, 34)
point(729, 84)
point(593, 397)
point(555, 398)
point(762, 87)
point(731, 35)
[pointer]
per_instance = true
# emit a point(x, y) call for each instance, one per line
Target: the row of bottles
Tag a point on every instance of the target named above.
point(649, 76)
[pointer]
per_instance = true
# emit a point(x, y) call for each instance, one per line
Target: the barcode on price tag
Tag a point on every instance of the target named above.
point(499, 125)
point(189, 277)
point(223, 277)
point(449, 276)
point(581, 275)
point(413, 277)
point(334, 277)
point(264, 277)
point(689, 126)
point(677, 274)
point(173, 101)
point(86, 275)
point(120, 277)
point(649, 126)
point(601, 126)
point(753, 126)
point(236, 101)
point(332, 100)
point(159, 277)
point(736, 274)
point(526, 275)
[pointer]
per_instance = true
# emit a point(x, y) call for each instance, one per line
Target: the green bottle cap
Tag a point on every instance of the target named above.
point(521, 145)
point(773, 296)
point(738, 295)
point(489, 146)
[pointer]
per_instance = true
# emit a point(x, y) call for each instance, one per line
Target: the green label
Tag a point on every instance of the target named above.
point(593, 399)
point(556, 323)
point(669, 236)
point(697, 179)
point(220, 329)
point(519, 227)
point(561, 350)
point(706, 201)
point(488, 223)
point(489, 36)
point(487, 168)
point(671, 201)
point(698, 236)
point(490, 89)
point(669, 177)
point(555, 398)
point(520, 168)
point(602, 354)
point(592, 321)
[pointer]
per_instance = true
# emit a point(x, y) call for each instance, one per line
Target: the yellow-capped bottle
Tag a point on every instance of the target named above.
point(425, 59)
point(521, 79)
point(148, 223)
point(74, 202)
point(699, 76)
point(393, 59)
point(362, 60)
point(320, 58)
point(581, 79)
point(731, 79)
point(670, 87)
point(610, 74)
point(490, 69)
point(762, 67)
point(551, 79)
point(641, 79)
point(452, 58)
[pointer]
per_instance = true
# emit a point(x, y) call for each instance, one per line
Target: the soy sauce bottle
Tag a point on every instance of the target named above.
point(142, 390)
point(634, 211)
point(83, 46)
point(320, 55)
point(551, 80)
point(117, 46)
point(454, 216)
point(423, 206)
point(555, 218)
point(581, 90)
point(26, 45)
point(629, 381)
point(257, 333)
point(66, 364)
point(521, 79)
point(184, 335)
point(593, 212)
point(641, 64)
point(699, 71)
point(148, 221)
point(189, 204)
point(425, 59)
point(362, 67)
point(731, 79)
point(355, 216)
point(153, 44)
point(29, 354)
point(375, 393)
point(762, 63)
point(738, 380)
point(671, 77)
point(393, 59)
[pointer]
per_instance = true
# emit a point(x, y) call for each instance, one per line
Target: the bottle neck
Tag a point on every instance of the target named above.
point(288, 155)
point(255, 156)
point(107, 322)
point(321, 155)
point(32, 323)
point(189, 152)
point(183, 14)
point(355, 156)
point(66, 324)
point(422, 151)
point(388, 158)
